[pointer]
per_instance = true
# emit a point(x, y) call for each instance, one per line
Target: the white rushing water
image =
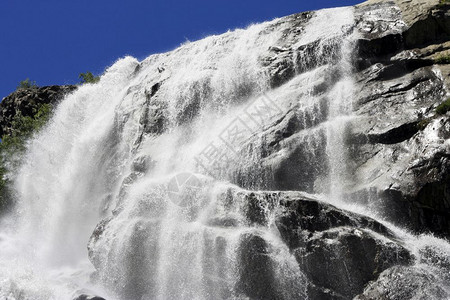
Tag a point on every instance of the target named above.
point(114, 151)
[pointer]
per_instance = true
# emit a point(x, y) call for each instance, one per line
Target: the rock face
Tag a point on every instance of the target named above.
point(25, 101)
point(399, 157)
point(403, 161)
point(396, 144)
point(393, 284)
point(355, 92)
point(338, 252)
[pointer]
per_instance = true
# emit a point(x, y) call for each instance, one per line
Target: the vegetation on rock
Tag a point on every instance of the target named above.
point(13, 146)
point(422, 124)
point(442, 60)
point(444, 107)
point(88, 77)
point(27, 84)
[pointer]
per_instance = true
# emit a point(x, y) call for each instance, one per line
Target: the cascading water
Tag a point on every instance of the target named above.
point(128, 155)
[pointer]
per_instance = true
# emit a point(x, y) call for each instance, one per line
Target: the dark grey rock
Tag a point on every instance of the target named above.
point(339, 251)
point(256, 278)
point(400, 282)
point(397, 156)
point(346, 259)
point(88, 297)
point(303, 215)
point(26, 101)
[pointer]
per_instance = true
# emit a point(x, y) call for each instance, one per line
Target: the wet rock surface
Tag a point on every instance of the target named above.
point(256, 278)
point(393, 284)
point(398, 157)
point(397, 144)
point(398, 161)
point(401, 87)
point(339, 252)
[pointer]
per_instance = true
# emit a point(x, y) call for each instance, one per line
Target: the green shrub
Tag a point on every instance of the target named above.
point(27, 84)
point(88, 77)
point(423, 124)
point(444, 107)
point(443, 2)
point(443, 60)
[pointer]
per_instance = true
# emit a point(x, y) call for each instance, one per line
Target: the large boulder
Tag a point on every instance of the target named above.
point(338, 251)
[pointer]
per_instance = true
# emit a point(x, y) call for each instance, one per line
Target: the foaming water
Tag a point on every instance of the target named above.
point(72, 165)
point(117, 169)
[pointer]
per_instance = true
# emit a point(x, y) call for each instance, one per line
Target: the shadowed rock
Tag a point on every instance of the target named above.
point(26, 102)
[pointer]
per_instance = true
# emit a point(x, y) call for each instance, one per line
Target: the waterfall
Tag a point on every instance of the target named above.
point(145, 175)
point(340, 109)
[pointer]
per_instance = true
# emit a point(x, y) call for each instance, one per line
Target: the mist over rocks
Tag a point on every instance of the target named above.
point(338, 252)
point(397, 142)
point(329, 193)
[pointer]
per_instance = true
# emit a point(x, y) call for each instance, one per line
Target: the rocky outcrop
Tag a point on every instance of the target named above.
point(401, 86)
point(26, 102)
point(396, 144)
point(337, 251)
point(382, 145)
point(340, 252)
point(393, 137)
point(394, 285)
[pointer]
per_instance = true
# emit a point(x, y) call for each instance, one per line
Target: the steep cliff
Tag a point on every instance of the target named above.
point(372, 138)
point(397, 142)
point(403, 161)
point(283, 161)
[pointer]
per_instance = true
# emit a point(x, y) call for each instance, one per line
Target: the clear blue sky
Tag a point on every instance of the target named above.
point(52, 41)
